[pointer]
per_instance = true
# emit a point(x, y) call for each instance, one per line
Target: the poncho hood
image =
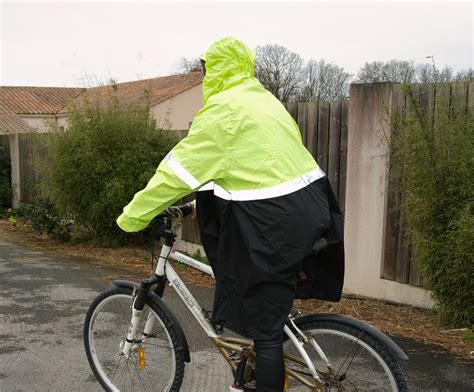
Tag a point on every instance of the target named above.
point(228, 62)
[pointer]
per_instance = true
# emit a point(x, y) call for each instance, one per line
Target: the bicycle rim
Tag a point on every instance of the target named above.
point(152, 362)
point(359, 366)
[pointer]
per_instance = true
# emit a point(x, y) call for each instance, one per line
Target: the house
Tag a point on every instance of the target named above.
point(174, 101)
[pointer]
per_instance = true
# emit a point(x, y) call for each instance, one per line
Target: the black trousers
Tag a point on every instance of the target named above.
point(270, 372)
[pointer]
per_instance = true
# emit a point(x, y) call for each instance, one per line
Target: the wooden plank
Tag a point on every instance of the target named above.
point(459, 96)
point(334, 147)
point(302, 120)
point(312, 135)
point(23, 153)
point(391, 237)
point(392, 217)
point(413, 98)
point(292, 108)
point(412, 103)
point(341, 197)
point(189, 228)
point(443, 95)
point(414, 273)
point(427, 99)
point(403, 253)
point(323, 135)
point(470, 99)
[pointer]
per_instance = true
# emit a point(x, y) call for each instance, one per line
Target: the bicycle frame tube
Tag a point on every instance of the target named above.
point(164, 268)
point(180, 258)
point(302, 351)
point(175, 281)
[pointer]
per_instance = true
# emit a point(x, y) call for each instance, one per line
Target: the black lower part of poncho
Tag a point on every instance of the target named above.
point(257, 249)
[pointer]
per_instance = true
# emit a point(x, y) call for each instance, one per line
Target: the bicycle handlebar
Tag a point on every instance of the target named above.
point(179, 211)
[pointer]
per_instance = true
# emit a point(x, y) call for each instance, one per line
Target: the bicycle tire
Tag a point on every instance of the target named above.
point(116, 300)
point(374, 349)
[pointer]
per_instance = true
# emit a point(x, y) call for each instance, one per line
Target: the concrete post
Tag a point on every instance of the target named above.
point(366, 198)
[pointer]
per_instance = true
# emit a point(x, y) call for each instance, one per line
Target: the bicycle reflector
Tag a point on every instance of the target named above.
point(286, 381)
point(141, 356)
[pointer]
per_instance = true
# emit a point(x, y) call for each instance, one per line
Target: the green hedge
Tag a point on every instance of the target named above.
point(108, 153)
point(433, 160)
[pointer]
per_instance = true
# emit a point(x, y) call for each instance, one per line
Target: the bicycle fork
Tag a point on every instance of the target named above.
point(137, 311)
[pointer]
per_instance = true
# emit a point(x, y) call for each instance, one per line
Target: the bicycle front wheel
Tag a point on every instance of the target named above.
point(359, 362)
point(155, 362)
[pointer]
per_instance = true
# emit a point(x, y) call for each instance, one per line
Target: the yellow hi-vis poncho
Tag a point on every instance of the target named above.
point(242, 140)
point(263, 203)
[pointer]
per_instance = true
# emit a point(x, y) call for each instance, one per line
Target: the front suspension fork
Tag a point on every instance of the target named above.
point(137, 311)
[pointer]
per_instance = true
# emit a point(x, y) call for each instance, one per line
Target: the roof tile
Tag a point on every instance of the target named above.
point(11, 123)
point(154, 90)
point(37, 100)
point(54, 100)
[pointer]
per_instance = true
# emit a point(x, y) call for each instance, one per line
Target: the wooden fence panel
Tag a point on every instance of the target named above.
point(34, 155)
point(444, 99)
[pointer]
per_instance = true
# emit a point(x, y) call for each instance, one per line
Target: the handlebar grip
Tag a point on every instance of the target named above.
point(185, 209)
point(188, 208)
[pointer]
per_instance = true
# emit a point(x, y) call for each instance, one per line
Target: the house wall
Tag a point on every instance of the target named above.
point(176, 113)
point(366, 199)
point(39, 122)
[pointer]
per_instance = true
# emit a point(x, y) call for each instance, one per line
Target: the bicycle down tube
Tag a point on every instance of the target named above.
point(164, 268)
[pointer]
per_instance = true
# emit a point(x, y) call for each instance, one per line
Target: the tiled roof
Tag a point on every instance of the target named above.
point(37, 100)
point(11, 123)
point(16, 101)
point(154, 90)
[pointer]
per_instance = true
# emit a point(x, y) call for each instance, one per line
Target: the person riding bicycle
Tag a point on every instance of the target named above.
point(264, 206)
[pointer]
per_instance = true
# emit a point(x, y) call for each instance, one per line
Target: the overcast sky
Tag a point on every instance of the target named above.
point(56, 43)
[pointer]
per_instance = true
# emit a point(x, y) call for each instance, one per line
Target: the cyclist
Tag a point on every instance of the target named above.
point(263, 204)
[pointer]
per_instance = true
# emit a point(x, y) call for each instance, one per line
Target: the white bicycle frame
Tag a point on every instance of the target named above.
point(164, 268)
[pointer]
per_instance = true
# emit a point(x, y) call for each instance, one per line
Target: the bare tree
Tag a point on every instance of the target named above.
point(325, 81)
point(426, 73)
point(465, 74)
point(191, 64)
point(398, 71)
point(280, 71)
point(394, 71)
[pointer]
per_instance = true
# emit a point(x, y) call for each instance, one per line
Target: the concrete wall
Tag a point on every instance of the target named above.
point(176, 113)
point(366, 199)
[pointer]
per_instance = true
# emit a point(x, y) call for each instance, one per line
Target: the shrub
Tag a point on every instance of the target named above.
point(432, 159)
point(5, 181)
point(43, 217)
point(108, 153)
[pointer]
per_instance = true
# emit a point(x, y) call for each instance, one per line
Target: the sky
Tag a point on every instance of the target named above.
point(66, 43)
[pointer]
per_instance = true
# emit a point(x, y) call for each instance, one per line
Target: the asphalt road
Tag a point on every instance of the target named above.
point(43, 302)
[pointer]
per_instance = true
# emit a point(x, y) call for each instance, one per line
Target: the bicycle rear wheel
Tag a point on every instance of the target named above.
point(359, 362)
point(155, 363)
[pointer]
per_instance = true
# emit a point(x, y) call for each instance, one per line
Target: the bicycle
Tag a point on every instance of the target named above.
point(134, 342)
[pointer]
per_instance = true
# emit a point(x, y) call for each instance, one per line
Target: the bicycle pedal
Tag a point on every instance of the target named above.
point(250, 386)
point(239, 355)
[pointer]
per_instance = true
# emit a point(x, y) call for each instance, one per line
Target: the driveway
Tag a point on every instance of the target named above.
point(43, 301)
